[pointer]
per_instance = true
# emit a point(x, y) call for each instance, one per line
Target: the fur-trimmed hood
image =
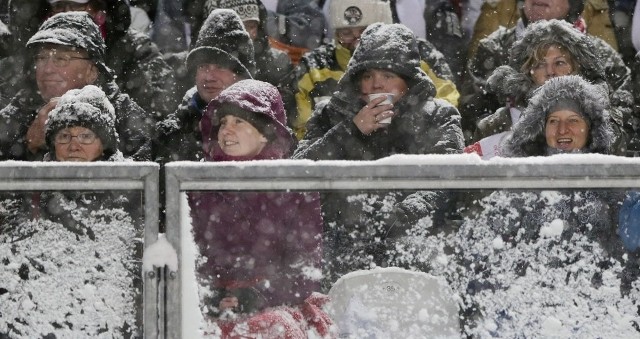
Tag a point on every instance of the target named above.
point(528, 134)
point(510, 81)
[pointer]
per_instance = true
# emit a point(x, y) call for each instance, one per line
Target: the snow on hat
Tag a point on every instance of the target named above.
point(246, 9)
point(259, 98)
point(76, 1)
point(87, 107)
point(387, 47)
point(73, 29)
point(224, 41)
point(359, 13)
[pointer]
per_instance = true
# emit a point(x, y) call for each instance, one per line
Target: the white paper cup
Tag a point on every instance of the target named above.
point(388, 100)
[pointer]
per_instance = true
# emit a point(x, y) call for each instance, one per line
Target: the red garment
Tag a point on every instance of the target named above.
point(283, 322)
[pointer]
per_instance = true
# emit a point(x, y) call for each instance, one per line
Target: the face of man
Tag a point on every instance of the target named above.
point(61, 68)
point(536, 10)
point(211, 79)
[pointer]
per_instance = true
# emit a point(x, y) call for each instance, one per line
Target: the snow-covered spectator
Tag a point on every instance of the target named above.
point(82, 127)
point(477, 100)
point(353, 127)
point(76, 258)
point(320, 70)
point(222, 56)
point(138, 66)
point(566, 115)
point(67, 53)
point(140, 21)
point(272, 65)
point(548, 49)
point(260, 250)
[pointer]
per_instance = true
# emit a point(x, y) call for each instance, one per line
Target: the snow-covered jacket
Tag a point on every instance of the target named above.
point(260, 241)
point(422, 124)
point(320, 70)
point(477, 100)
point(528, 135)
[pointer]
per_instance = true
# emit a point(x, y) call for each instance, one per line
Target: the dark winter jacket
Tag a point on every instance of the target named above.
point(320, 70)
point(528, 135)
point(357, 225)
point(515, 85)
point(259, 241)
point(138, 66)
point(478, 101)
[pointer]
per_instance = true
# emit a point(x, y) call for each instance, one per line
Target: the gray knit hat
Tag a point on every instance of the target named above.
point(73, 29)
point(86, 107)
point(224, 41)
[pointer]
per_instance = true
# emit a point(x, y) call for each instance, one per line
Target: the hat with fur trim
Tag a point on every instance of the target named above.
point(223, 40)
point(87, 107)
point(359, 13)
point(73, 29)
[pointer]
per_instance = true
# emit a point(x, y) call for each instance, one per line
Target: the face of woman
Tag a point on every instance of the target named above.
point(77, 144)
point(556, 62)
point(237, 137)
point(566, 130)
point(382, 81)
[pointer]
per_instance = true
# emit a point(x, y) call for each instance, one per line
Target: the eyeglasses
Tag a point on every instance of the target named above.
point(67, 6)
point(59, 60)
point(83, 138)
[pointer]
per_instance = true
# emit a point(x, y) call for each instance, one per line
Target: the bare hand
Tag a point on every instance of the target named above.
point(36, 131)
point(369, 117)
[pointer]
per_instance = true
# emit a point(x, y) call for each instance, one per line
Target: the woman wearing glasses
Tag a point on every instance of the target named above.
point(82, 127)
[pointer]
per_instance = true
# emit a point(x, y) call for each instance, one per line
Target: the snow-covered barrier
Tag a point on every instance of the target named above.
point(520, 258)
point(71, 242)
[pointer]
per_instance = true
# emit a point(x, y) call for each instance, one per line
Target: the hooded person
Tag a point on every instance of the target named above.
point(247, 122)
point(222, 55)
point(350, 127)
point(536, 133)
point(88, 113)
point(67, 53)
point(320, 70)
point(478, 101)
point(548, 48)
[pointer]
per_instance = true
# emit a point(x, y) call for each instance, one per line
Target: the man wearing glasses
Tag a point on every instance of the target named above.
point(319, 70)
point(67, 53)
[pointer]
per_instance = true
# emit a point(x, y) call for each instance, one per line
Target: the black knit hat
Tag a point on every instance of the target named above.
point(223, 40)
point(73, 29)
point(263, 123)
point(89, 108)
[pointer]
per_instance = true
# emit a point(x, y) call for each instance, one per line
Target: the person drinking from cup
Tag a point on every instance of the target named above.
point(353, 126)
